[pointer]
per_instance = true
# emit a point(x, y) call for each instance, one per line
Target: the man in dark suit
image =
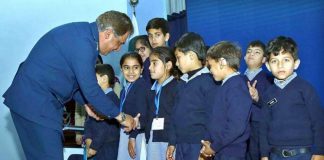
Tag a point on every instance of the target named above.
point(61, 67)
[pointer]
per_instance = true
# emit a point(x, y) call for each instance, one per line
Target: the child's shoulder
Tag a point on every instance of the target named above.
point(141, 83)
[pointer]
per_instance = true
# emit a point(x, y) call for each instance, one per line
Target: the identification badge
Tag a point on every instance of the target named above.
point(272, 102)
point(158, 124)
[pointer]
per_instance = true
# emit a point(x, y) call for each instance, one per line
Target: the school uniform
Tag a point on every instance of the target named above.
point(293, 123)
point(189, 119)
point(104, 134)
point(263, 82)
point(229, 126)
point(146, 72)
point(161, 100)
point(134, 100)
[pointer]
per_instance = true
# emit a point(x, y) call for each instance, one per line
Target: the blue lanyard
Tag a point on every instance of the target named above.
point(123, 96)
point(157, 98)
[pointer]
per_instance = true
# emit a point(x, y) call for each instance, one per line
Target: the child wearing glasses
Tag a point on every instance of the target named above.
point(133, 101)
point(144, 49)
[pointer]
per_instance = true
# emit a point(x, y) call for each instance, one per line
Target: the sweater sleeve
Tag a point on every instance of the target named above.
point(316, 112)
point(263, 130)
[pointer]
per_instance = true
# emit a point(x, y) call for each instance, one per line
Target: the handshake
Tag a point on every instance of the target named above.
point(127, 121)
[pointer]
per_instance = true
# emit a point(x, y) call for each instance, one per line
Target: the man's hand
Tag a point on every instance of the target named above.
point(264, 158)
point(318, 157)
point(206, 150)
point(132, 148)
point(127, 121)
point(253, 91)
point(169, 152)
point(90, 111)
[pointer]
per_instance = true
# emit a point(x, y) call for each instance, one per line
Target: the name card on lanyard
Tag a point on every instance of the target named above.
point(158, 123)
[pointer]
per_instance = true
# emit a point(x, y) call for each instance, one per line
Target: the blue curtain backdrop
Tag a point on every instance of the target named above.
point(242, 21)
point(177, 26)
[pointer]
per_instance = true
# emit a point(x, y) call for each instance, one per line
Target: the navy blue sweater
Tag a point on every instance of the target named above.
point(137, 102)
point(191, 109)
point(102, 132)
point(146, 72)
point(293, 116)
point(229, 125)
point(167, 98)
point(264, 81)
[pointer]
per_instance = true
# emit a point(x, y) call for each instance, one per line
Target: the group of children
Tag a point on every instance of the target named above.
point(194, 104)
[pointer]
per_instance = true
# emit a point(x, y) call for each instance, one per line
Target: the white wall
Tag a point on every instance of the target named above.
point(22, 23)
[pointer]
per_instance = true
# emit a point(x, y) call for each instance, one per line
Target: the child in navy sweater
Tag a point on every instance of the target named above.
point(133, 101)
point(102, 137)
point(229, 124)
point(191, 110)
point(163, 71)
point(254, 58)
point(292, 126)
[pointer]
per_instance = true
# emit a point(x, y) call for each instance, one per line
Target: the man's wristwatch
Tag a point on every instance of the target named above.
point(123, 117)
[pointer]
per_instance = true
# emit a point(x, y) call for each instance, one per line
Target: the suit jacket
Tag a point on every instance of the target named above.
point(61, 66)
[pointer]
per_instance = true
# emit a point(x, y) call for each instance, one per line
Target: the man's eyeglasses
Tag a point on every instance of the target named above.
point(142, 49)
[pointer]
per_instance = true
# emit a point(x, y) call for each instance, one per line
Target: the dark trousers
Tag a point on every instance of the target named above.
point(108, 151)
point(254, 146)
point(38, 142)
point(186, 151)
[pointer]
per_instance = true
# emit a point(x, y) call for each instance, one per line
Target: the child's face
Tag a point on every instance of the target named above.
point(102, 80)
point(143, 51)
point(131, 69)
point(157, 38)
point(254, 57)
point(183, 61)
point(157, 69)
point(216, 69)
point(282, 65)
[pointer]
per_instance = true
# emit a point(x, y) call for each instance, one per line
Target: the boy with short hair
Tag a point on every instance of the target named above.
point(158, 32)
point(191, 110)
point(102, 137)
point(229, 122)
point(293, 119)
point(254, 58)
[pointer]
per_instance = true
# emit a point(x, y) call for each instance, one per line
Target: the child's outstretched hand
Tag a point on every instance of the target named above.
point(131, 148)
point(253, 91)
point(206, 150)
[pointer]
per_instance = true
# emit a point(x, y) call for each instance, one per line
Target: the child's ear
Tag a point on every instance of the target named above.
point(264, 59)
point(142, 70)
point(222, 62)
point(297, 63)
point(168, 65)
point(268, 66)
point(167, 36)
point(192, 55)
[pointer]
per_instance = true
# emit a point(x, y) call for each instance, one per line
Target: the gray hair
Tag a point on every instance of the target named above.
point(119, 22)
